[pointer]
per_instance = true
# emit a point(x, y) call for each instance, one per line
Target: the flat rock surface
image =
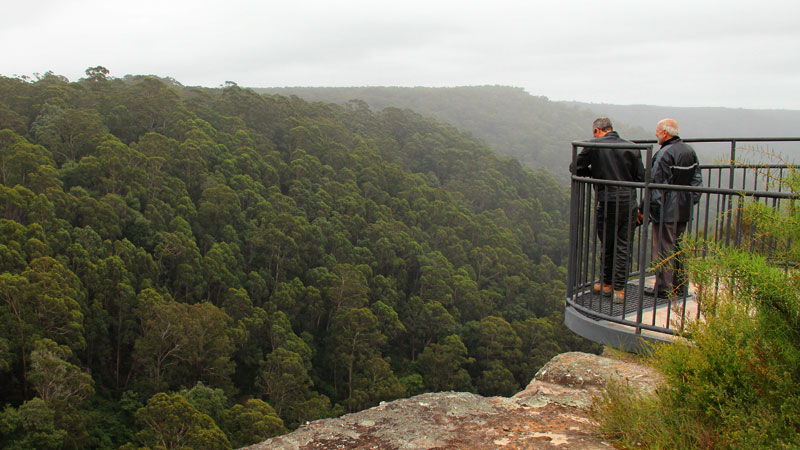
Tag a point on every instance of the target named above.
point(549, 414)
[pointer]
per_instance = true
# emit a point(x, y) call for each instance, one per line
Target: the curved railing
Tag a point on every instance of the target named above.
point(640, 317)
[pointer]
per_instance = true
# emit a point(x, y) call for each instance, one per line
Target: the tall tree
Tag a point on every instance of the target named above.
point(171, 422)
point(182, 344)
point(355, 339)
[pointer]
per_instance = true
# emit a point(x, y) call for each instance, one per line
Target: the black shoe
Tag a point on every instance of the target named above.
point(652, 293)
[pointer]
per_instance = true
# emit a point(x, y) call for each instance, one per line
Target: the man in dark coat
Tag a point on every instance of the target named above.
point(674, 163)
point(615, 204)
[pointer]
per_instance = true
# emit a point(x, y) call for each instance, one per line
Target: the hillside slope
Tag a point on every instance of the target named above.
point(534, 130)
point(537, 131)
point(705, 122)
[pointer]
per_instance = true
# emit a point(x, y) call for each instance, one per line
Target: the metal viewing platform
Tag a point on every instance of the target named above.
point(734, 173)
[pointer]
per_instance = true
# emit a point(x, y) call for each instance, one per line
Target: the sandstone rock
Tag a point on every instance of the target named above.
point(549, 414)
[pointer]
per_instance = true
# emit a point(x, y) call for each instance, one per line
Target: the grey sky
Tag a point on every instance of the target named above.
point(735, 53)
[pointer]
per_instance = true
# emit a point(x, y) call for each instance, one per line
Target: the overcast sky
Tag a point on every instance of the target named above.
point(734, 53)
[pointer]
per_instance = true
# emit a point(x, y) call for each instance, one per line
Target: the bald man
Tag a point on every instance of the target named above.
point(670, 211)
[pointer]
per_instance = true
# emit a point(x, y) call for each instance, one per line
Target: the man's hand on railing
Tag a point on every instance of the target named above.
point(639, 216)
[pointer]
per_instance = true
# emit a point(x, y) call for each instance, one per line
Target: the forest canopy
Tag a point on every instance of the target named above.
point(207, 268)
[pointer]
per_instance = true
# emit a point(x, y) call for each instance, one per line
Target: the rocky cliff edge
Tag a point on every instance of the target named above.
point(549, 414)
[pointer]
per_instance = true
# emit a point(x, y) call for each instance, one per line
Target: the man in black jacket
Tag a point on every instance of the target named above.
point(615, 204)
point(674, 163)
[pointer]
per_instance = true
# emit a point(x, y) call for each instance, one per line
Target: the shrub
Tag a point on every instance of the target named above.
point(736, 382)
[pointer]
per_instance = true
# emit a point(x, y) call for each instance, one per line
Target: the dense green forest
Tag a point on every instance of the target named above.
point(514, 123)
point(207, 268)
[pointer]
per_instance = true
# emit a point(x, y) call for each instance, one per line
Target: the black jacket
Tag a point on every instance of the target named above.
point(674, 163)
point(610, 164)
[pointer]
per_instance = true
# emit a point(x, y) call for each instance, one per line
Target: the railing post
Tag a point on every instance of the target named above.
point(728, 216)
point(643, 240)
point(573, 227)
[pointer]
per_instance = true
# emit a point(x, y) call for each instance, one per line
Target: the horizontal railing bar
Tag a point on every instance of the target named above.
point(745, 166)
point(737, 139)
point(680, 187)
point(609, 145)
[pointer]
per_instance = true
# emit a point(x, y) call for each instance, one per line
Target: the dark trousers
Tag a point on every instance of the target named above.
point(670, 276)
point(614, 229)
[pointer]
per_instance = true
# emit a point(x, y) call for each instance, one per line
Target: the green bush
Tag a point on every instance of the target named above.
point(735, 382)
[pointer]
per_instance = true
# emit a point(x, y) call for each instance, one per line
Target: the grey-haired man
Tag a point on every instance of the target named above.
point(670, 211)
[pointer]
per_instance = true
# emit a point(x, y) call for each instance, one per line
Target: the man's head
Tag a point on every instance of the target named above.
point(601, 126)
point(666, 130)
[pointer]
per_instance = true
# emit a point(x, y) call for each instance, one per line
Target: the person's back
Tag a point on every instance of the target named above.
point(675, 163)
point(611, 164)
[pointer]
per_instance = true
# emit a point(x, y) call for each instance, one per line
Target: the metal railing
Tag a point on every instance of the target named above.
point(727, 183)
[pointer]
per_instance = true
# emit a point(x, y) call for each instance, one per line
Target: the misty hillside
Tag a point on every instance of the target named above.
point(534, 130)
point(705, 122)
point(538, 131)
point(714, 122)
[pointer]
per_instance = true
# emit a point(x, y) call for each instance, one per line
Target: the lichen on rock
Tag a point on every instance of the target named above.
point(550, 413)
